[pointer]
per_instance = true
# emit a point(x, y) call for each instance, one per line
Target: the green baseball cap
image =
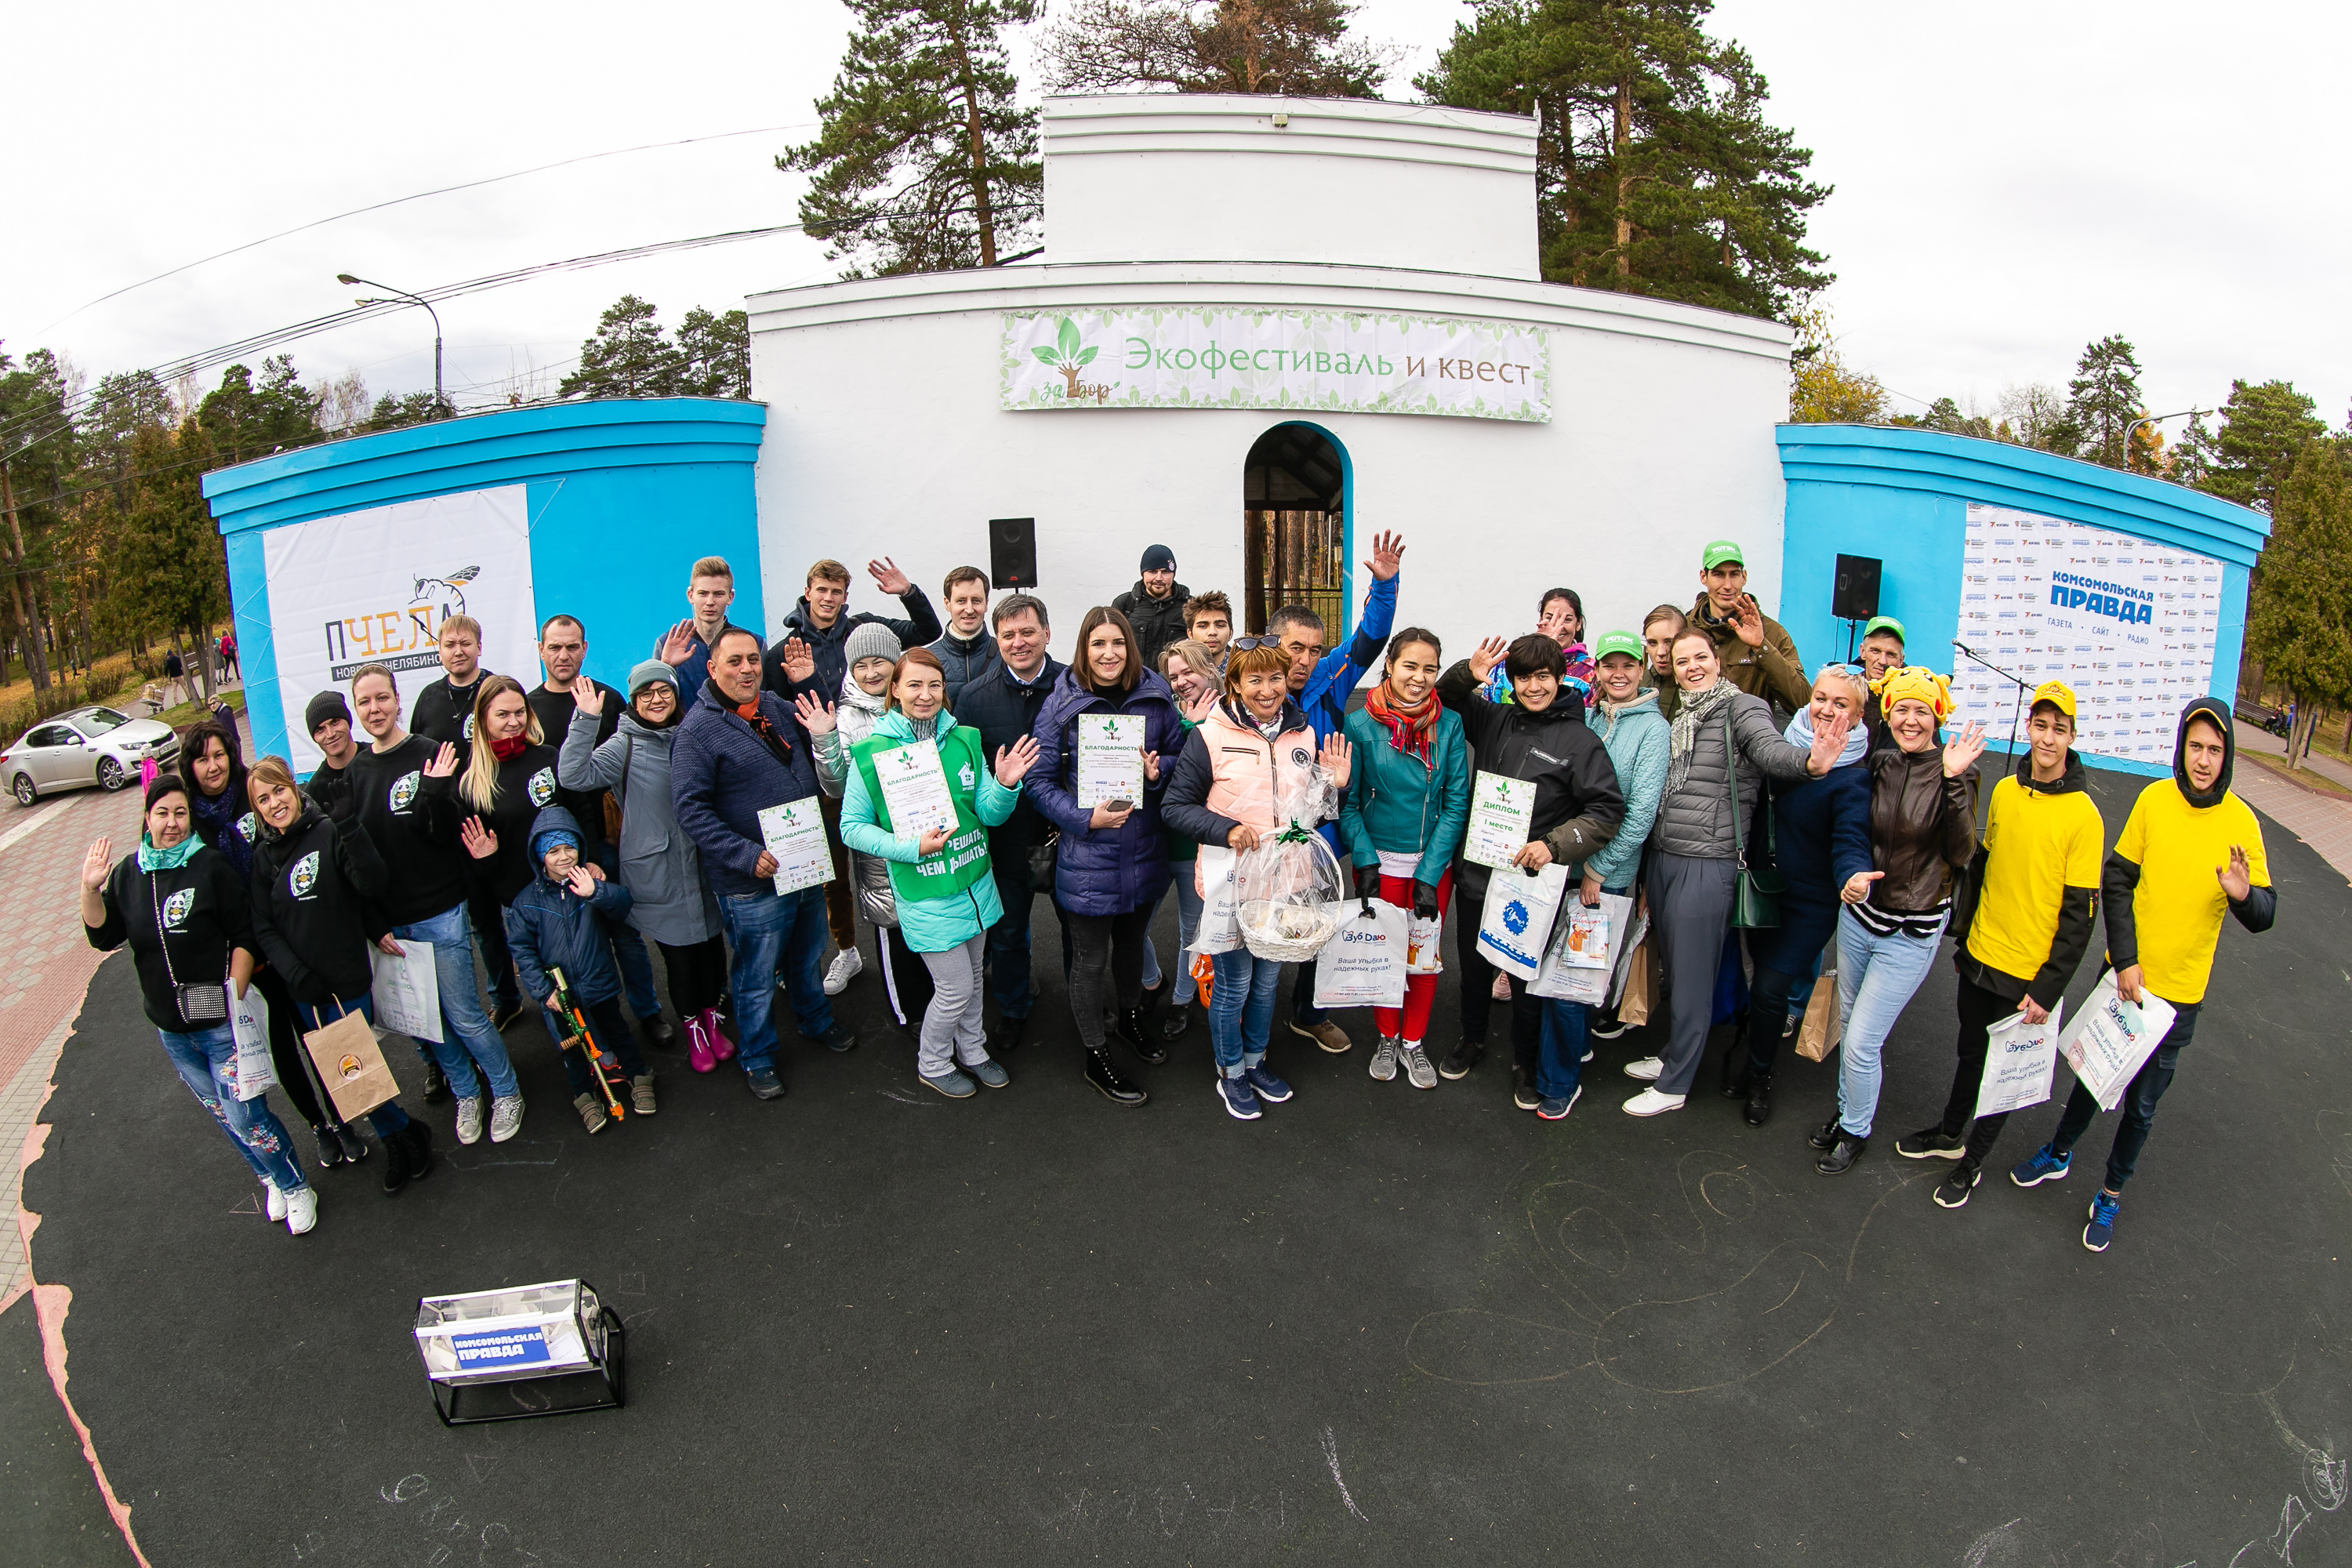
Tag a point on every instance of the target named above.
point(1885, 624)
point(1723, 553)
point(1625, 643)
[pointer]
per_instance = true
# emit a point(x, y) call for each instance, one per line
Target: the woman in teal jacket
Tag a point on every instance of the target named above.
point(1402, 822)
point(940, 878)
point(1640, 744)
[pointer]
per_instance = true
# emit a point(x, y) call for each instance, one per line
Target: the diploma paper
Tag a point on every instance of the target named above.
point(795, 832)
point(914, 789)
point(1501, 807)
point(408, 991)
point(1110, 758)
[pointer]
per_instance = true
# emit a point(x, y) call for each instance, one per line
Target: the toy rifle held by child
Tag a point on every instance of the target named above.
point(582, 1037)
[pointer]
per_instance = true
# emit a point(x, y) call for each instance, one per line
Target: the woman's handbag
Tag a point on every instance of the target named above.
point(1755, 895)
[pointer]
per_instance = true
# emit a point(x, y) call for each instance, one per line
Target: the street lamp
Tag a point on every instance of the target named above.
point(2152, 419)
point(440, 404)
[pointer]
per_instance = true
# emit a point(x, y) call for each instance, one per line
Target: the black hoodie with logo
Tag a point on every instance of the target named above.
point(1578, 803)
point(181, 925)
point(314, 913)
point(413, 820)
point(526, 787)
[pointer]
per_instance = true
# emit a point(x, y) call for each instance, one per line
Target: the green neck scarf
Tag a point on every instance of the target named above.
point(152, 860)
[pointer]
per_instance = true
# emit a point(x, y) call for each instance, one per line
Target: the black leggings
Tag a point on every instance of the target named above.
point(1477, 989)
point(289, 1060)
point(697, 974)
point(1097, 941)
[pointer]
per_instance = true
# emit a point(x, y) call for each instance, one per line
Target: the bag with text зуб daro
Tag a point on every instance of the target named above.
point(1363, 964)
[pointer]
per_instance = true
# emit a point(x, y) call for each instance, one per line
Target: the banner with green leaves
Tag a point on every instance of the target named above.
point(1171, 357)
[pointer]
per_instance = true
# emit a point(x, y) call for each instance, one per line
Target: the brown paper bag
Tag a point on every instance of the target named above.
point(1633, 1005)
point(351, 1065)
point(1818, 1036)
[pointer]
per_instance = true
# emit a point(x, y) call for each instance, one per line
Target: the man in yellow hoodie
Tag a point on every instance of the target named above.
point(2189, 850)
point(2024, 918)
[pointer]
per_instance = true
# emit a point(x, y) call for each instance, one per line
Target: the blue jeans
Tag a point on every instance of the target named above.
point(775, 938)
point(1241, 1009)
point(1008, 940)
point(386, 1119)
point(1876, 976)
point(1188, 922)
point(467, 1036)
point(204, 1059)
point(2138, 1103)
point(1151, 975)
point(1559, 1062)
point(636, 967)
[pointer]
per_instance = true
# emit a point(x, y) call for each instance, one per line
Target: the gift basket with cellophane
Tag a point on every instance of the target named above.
point(1285, 886)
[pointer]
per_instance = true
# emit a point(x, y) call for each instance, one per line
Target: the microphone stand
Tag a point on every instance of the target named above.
point(2016, 712)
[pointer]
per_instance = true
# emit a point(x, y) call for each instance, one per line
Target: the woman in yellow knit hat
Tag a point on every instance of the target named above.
point(1923, 832)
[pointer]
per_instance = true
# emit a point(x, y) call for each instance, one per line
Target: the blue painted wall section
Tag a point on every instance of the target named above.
point(624, 495)
point(1903, 496)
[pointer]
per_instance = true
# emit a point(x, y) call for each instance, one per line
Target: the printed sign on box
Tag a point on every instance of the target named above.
point(500, 1347)
point(2129, 623)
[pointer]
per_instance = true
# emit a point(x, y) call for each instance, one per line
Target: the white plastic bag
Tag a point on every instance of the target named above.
point(2019, 1059)
point(248, 1021)
point(2112, 1037)
point(1566, 980)
point(1363, 964)
point(1219, 928)
point(1514, 926)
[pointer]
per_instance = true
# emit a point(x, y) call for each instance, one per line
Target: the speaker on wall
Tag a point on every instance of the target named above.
point(1012, 551)
point(1857, 598)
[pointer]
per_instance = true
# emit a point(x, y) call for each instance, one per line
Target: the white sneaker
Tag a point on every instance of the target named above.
point(469, 1119)
point(274, 1203)
point(505, 1117)
point(1650, 1102)
point(1645, 1069)
point(846, 967)
point(302, 1209)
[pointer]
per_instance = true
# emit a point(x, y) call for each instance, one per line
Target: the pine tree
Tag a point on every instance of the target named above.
point(170, 549)
point(1295, 47)
point(243, 421)
point(1656, 171)
point(2264, 426)
point(716, 351)
point(2299, 614)
point(38, 436)
point(2103, 400)
point(924, 161)
point(628, 357)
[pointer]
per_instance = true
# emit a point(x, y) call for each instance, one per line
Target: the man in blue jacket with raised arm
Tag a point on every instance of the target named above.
point(739, 751)
point(1321, 683)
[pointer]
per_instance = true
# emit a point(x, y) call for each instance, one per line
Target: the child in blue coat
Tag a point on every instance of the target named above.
point(552, 924)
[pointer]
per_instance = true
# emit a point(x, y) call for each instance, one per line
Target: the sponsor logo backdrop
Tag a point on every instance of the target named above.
point(373, 587)
point(2128, 622)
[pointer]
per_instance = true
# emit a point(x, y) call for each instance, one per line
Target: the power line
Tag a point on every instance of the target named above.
point(396, 201)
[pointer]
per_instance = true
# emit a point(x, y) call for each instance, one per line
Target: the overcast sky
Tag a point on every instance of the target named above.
point(2013, 179)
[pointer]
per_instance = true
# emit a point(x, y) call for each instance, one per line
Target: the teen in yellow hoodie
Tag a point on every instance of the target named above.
point(2189, 851)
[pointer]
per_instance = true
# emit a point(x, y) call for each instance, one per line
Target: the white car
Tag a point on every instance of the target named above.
point(88, 746)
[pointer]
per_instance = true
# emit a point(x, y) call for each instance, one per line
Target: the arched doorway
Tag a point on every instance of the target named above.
point(1295, 525)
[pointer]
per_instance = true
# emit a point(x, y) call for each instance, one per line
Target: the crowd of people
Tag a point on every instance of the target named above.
point(734, 808)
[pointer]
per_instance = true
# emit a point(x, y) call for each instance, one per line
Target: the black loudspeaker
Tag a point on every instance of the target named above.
point(1857, 598)
point(1012, 552)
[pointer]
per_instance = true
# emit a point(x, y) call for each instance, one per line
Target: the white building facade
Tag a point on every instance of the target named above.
point(1261, 330)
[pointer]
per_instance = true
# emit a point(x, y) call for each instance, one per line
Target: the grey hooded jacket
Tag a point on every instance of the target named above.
point(1695, 820)
point(671, 900)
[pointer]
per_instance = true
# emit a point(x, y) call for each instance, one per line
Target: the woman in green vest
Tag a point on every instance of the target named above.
point(940, 878)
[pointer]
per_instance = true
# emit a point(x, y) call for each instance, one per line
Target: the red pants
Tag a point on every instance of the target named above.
point(1419, 990)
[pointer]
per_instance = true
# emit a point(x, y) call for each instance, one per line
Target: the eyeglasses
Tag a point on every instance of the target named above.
point(1243, 645)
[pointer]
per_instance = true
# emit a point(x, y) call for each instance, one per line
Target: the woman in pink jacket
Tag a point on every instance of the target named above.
point(1252, 756)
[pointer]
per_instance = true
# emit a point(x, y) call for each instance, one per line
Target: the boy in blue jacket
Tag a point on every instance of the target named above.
point(552, 924)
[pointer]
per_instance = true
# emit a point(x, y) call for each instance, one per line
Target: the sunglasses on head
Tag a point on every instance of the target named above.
point(1243, 645)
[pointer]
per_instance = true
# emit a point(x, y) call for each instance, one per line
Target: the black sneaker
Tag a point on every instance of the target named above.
point(1006, 1036)
point(838, 1038)
point(437, 1086)
point(503, 1016)
point(1606, 1028)
point(331, 1148)
point(764, 1083)
point(658, 1032)
point(1460, 1061)
point(1523, 1088)
point(1932, 1144)
point(1953, 1192)
point(354, 1146)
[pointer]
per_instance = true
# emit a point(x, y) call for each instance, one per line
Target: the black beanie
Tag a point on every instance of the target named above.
point(326, 705)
